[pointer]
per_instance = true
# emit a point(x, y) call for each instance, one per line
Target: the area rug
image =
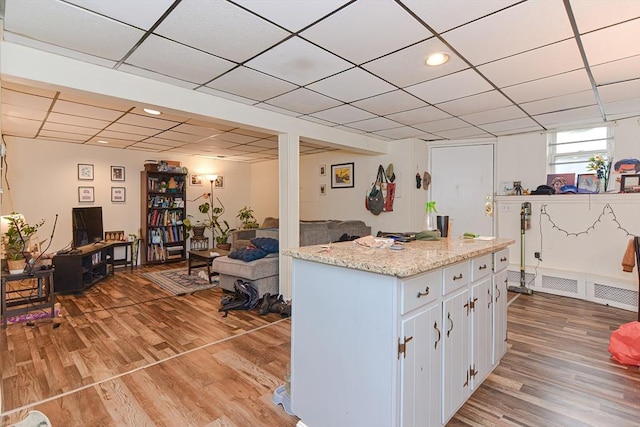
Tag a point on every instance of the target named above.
point(177, 281)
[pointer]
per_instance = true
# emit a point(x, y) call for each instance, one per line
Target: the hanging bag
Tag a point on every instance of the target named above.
point(375, 199)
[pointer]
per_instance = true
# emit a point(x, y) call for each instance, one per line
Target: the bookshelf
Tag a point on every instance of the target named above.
point(162, 213)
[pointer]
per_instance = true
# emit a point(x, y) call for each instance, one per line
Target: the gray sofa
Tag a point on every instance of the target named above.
point(311, 232)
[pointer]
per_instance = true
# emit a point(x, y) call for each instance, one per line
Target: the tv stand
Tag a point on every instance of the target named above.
point(83, 267)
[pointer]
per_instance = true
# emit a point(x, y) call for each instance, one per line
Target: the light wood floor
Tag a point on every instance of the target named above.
point(128, 354)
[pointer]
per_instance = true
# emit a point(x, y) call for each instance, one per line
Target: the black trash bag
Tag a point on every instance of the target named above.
point(245, 297)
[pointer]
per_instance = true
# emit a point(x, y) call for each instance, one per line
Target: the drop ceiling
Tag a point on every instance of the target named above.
point(358, 66)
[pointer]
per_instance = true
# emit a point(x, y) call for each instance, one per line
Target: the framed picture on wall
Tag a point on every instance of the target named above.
point(117, 173)
point(322, 170)
point(85, 194)
point(342, 175)
point(85, 171)
point(587, 183)
point(219, 182)
point(559, 180)
point(195, 180)
point(323, 189)
point(118, 194)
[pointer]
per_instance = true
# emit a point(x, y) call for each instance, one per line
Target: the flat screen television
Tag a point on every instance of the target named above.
point(87, 225)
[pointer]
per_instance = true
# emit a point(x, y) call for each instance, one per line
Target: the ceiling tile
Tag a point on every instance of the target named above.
point(440, 15)
point(20, 127)
point(304, 101)
point(277, 109)
point(460, 133)
point(437, 126)
point(475, 103)
point(163, 142)
point(146, 121)
point(559, 103)
point(400, 133)
point(112, 142)
point(374, 124)
point(220, 28)
point(351, 85)
point(21, 99)
point(83, 110)
point(65, 25)
point(570, 117)
point(593, 15)
point(600, 49)
point(265, 143)
point(251, 84)
point(66, 136)
point(77, 121)
point(453, 86)
point(186, 63)
point(127, 68)
point(496, 115)
point(23, 112)
point(622, 109)
point(535, 64)
point(131, 129)
point(298, 61)
point(508, 32)
point(365, 30)
point(178, 136)
point(10, 87)
point(389, 103)
point(292, 15)
point(510, 125)
point(141, 14)
point(620, 91)
point(617, 71)
point(419, 115)
point(235, 137)
point(108, 134)
point(407, 66)
point(343, 114)
point(562, 84)
point(77, 130)
point(202, 131)
point(225, 95)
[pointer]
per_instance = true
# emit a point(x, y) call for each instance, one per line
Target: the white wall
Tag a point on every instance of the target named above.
point(348, 203)
point(42, 181)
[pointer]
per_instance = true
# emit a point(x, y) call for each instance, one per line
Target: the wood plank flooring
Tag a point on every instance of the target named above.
point(127, 353)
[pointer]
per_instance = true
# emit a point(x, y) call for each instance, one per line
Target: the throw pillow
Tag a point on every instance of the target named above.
point(248, 254)
point(267, 244)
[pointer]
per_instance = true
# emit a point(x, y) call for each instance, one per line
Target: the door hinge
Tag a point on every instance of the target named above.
point(472, 371)
point(402, 347)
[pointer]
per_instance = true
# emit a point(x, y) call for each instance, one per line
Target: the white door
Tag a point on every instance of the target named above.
point(462, 185)
point(422, 369)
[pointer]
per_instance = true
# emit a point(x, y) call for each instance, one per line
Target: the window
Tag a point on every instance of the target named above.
point(569, 151)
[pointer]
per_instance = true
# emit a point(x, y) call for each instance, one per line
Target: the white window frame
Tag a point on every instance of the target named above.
point(553, 156)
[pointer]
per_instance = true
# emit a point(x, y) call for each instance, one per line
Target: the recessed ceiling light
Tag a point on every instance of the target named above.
point(437, 59)
point(101, 141)
point(150, 111)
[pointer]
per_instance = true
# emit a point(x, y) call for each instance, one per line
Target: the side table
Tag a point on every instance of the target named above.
point(130, 254)
point(38, 288)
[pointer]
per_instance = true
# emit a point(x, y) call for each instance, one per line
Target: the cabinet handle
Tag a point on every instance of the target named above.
point(435, 326)
point(459, 276)
point(450, 320)
point(490, 301)
point(482, 267)
point(425, 293)
point(466, 383)
point(503, 259)
point(498, 289)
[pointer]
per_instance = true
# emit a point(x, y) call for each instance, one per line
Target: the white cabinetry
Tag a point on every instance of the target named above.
point(421, 356)
point(481, 320)
point(455, 312)
point(373, 350)
point(499, 292)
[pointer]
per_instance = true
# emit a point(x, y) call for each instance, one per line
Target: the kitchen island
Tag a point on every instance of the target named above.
point(384, 337)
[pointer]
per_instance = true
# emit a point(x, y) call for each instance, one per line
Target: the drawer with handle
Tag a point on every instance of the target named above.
point(420, 290)
point(481, 267)
point(501, 259)
point(455, 276)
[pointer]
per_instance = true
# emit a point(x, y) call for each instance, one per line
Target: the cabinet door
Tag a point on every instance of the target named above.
point(421, 367)
point(499, 315)
point(482, 340)
point(455, 315)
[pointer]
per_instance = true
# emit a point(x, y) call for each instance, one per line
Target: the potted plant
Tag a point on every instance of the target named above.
point(223, 235)
point(247, 220)
point(16, 242)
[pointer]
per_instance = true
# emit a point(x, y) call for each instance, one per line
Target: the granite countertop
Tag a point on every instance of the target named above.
point(417, 257)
